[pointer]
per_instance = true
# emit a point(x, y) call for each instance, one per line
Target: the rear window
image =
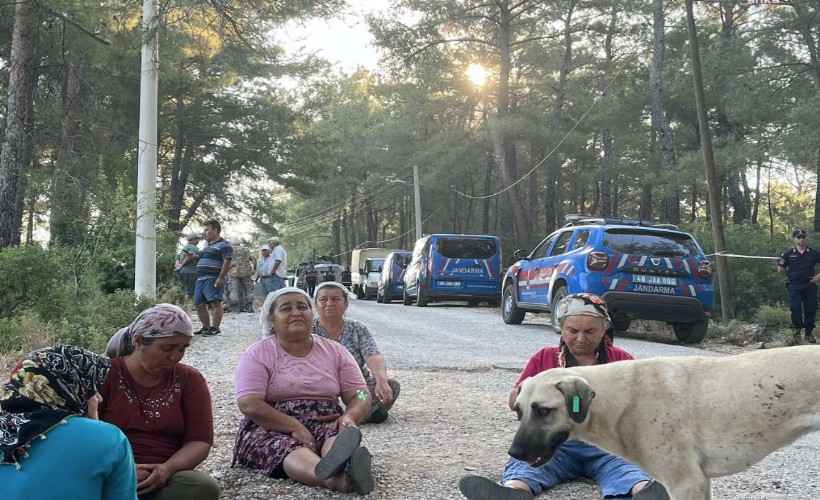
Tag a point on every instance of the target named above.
point(649, 243)
point(402, 260)
point(466, 248)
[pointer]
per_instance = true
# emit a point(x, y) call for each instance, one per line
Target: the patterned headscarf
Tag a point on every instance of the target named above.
point(583, 304)
point(162, 320)
point(267, 330)
point(47, 386)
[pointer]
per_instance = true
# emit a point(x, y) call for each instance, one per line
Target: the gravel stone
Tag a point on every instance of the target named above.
point(450, 420)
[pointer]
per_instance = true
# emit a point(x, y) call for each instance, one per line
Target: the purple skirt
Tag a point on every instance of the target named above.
point(264, 450)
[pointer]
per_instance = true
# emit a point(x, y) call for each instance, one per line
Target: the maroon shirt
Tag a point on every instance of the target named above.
point(547, 358)
point(158, 420)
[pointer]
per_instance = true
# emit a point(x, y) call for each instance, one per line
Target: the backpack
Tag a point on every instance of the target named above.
point(241, 266)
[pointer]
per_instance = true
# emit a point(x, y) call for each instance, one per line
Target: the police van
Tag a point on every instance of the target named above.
point(454, 267)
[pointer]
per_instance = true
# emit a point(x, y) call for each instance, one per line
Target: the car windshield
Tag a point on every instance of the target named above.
point(374, 265)
point(466, 248)
point(650, 243)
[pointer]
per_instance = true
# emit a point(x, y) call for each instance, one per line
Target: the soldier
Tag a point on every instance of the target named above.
point(240, 285)
point(798, 265)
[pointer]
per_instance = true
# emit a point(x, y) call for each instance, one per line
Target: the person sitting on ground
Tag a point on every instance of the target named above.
point(47, 453)
point(332, 302)
point(584, 321)
point(287, 387)
point(162, 405)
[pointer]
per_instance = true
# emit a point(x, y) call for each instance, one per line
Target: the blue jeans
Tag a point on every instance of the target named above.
point(576, 459)
point(278, 282)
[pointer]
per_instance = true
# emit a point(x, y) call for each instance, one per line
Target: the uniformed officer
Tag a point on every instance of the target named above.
point(798, 265)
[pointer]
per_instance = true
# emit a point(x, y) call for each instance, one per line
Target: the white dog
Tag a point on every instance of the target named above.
point(682, 420)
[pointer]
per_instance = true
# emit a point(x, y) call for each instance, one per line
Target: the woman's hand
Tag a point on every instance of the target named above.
point(304, 435)
point(344, 421)
point(158, 475)
point(384, 391)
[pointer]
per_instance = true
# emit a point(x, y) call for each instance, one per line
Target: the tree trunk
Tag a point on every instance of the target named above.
point(68, 182)
point(553, 162)
point(21, 65)
point(670, 196)
point(504, 144)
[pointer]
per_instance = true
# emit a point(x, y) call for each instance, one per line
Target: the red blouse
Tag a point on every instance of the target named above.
point(158, 420)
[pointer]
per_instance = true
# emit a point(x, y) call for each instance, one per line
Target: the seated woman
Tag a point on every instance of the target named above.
point(162, 405)
point(288, 387)
point(331, 302)
point(584, 320)
point(81, 457)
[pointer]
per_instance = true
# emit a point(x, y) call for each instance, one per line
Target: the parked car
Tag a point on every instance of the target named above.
point(391, 279)
point(454, 267)
point(641, 270)
point(364, 270)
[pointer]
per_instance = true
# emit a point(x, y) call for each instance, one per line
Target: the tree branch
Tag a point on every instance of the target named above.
point(77, 25)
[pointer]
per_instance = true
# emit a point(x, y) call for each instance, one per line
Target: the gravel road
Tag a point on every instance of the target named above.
point(456, 365)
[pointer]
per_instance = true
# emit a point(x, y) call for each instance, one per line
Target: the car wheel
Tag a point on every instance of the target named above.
point(510, 313)
point(621, 323)
point(359, 293)
point(387, 297)
point(378, 298)
point(406, 299)
point(556, 299)
point(421, 300)
point(691, 333)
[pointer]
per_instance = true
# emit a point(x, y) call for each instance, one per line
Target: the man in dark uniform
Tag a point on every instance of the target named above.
point(798, 265)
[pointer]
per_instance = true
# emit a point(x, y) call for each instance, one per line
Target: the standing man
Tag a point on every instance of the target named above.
point(798, 265)
point(279, 271)
point(214, 264)
point(240, 285)
point(264, 268)
point(186, 267)
point(310, 279)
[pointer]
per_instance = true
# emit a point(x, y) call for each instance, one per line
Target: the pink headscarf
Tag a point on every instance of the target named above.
point(162, 320)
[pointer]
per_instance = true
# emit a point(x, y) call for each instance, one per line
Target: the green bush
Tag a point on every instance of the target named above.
point(777, 316)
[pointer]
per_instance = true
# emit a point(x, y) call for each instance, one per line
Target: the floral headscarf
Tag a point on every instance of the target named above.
point(162, 320)
point(45, 388)
point(583, 304)
point(267, 330)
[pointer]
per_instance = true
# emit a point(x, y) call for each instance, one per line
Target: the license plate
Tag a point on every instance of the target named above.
point(654, 280)
point(449, 283)
point(399, 287)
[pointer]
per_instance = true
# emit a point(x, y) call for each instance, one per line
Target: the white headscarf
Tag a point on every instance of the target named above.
point(263, 316)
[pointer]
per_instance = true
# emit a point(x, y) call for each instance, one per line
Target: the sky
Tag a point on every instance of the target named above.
point(345, 42)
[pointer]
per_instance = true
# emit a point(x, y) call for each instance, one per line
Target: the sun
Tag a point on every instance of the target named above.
point(477, 74)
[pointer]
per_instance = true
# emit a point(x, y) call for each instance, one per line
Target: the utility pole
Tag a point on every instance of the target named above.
point(726, 306)
point(417, 196)
point(145, 262)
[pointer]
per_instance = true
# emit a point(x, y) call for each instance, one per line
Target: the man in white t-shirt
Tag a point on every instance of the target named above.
point(280, 263)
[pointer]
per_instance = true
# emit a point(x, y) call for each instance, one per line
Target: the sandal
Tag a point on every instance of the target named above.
point(359, 471)
point(339, 453)
point(482, 488)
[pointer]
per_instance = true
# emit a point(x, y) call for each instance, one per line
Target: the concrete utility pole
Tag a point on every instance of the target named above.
point(726, 305)
point(145, 262)
point(417, 196)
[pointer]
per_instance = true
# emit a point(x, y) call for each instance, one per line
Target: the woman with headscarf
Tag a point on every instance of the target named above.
point(47, 453)
point(162, 405)
point(331, 302)
point(586, 339)
point(288, 387)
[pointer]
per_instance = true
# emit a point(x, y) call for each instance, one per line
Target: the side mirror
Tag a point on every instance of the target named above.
point(380, 268)
point(520, 254)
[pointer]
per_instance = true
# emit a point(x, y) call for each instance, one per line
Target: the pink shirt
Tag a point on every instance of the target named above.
point(326, 372)
point(547, 358)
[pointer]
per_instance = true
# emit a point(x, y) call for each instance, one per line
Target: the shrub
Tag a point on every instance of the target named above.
point(777, 316)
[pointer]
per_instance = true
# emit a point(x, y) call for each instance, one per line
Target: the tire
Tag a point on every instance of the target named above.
point(510, 312)
point(379, 299)
point(473, 303)
point(621, 323)
point(406, 299)
point(359, 293)
point(421, 300)
point(556, 298)
point(387, 297)
point(691, 333)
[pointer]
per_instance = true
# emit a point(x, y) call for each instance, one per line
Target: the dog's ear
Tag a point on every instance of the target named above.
point(578, 394)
